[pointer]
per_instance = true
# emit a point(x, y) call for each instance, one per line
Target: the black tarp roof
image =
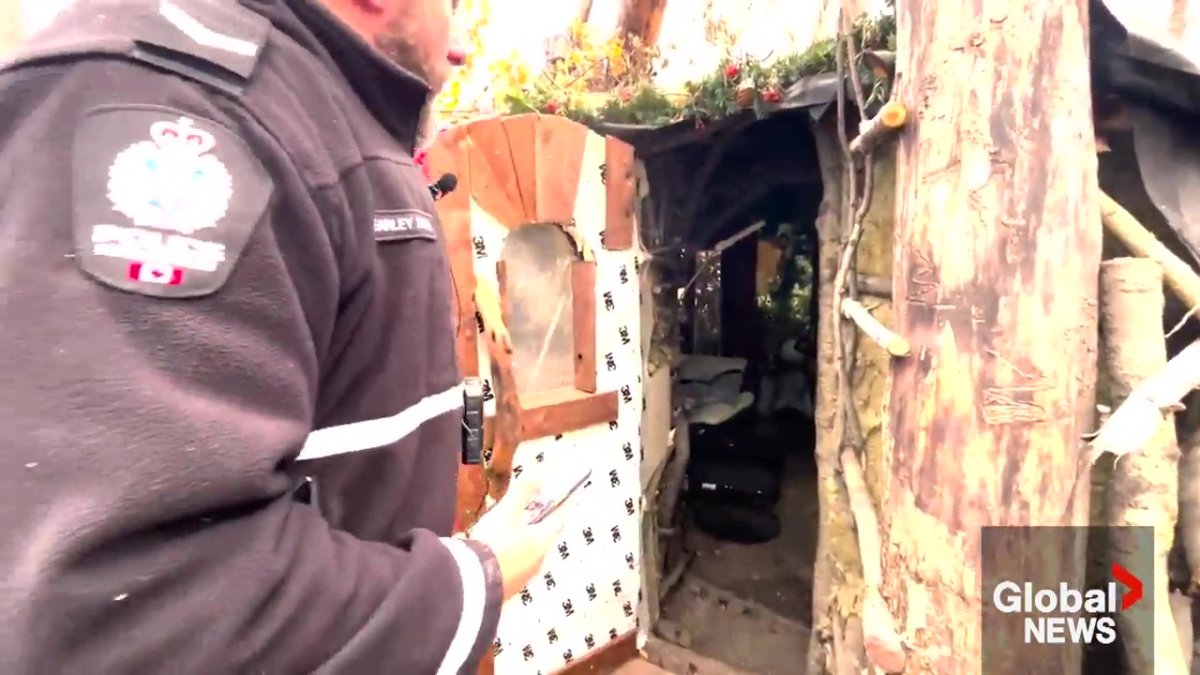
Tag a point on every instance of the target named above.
point(812, 94)
point(1162, 84)
point(1140, 64)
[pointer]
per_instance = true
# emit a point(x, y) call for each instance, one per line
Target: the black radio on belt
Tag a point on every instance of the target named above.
point(472, 442)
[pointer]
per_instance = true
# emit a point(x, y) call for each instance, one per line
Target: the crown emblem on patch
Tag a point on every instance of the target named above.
point(172, 181)
point(182, 136)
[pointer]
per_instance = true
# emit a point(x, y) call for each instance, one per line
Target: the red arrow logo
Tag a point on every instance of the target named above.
point(1134, 584)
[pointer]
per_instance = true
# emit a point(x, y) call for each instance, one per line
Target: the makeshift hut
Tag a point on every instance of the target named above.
point(753, 434)
point(724, 286)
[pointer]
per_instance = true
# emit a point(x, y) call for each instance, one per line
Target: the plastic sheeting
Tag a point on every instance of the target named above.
point(1139, 58)
point(1168, 156)
point(1136, 55)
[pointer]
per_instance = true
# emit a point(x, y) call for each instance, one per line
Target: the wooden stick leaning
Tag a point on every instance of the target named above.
point(1177, 274)
point(1137, 419)
point(883, 644)
point(1134, 422)
point(874, 329)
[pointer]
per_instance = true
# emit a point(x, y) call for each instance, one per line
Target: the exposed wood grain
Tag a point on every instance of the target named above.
point(887, 121)
point(995, 287)
point(583, 316)
point(607, 659)
point(559, 149)
point(449, 155)
point(502, 287)
point(640, 667)
point(494, 164)
point(556, 413)
point(506, 424)
point(679, 660)
point(521, 137)
point(470, 496)
point(618, 181)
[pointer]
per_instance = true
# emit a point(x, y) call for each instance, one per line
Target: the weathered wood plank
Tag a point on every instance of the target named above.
point(583, 316)
point(618, 181)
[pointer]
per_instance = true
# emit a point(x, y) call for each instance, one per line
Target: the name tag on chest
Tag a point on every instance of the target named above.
point(403, 224)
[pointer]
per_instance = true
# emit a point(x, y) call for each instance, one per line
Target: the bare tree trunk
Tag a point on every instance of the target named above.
point(995, 287)
point(642, 18)
point(1144, 488)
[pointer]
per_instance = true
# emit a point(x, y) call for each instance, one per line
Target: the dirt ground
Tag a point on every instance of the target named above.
point(748, 606)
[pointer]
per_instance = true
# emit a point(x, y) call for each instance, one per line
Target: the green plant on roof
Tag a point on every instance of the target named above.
point(611, 80)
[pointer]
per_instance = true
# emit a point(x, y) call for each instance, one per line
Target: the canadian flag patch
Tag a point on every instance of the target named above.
point(150, 273)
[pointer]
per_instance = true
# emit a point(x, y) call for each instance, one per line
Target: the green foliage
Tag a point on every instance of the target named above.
point(605, 82)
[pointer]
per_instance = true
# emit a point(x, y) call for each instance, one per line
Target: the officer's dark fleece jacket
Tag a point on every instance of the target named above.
point(220, 274)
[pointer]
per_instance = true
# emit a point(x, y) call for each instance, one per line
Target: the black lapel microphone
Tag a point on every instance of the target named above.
point(443, 186)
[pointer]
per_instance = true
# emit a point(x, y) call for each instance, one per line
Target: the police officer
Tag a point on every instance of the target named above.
point(220, 274)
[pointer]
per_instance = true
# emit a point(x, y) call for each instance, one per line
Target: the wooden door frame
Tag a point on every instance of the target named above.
point(499, 155)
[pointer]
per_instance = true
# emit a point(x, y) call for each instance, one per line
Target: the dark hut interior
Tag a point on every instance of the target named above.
point(729, 223)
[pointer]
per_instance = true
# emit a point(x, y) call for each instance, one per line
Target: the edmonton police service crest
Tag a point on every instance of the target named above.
point(170, 187)
point(171, 182)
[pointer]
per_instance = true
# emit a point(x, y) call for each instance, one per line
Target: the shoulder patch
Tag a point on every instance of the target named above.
point(164, 201)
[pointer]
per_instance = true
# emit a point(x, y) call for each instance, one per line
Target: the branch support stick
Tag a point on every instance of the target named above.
point(1177, 274)
point(890, 119)
point(871, 327)
point(1137, 419)
point(883, 645)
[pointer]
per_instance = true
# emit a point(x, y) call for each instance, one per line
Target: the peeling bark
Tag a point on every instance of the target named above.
point(1144, 489)
point(995, 283)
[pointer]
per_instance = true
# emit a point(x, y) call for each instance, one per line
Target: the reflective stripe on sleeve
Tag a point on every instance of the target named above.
point(376, 433)
point(474, 599)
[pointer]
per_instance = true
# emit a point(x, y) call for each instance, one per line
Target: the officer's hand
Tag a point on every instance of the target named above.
point(519, 547)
